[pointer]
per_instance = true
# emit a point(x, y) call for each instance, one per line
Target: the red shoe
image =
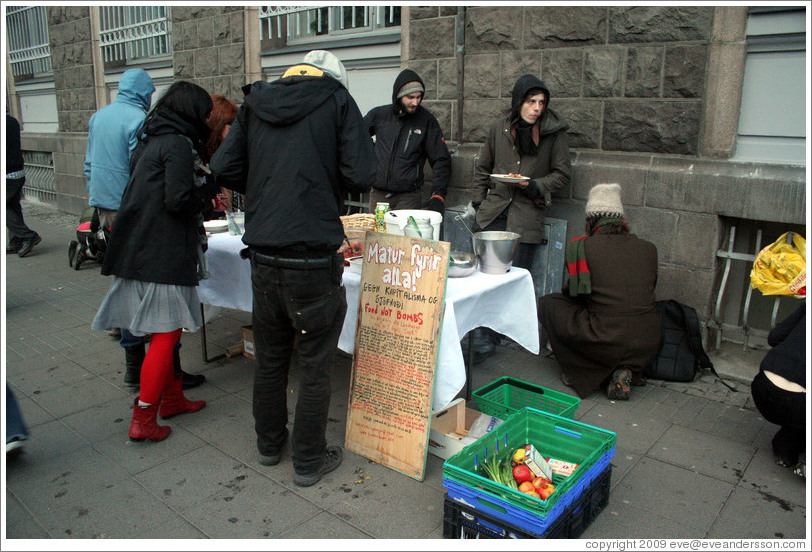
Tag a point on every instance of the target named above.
point(173, 402)
point(145, 424)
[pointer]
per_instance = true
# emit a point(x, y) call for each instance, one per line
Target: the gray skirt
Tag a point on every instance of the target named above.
point(148, 308)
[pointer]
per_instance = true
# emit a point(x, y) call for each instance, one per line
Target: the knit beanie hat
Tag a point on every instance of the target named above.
point(327, 62)
point(410, 88)
point(604, 201)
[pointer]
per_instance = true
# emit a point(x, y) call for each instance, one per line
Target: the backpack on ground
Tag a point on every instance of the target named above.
point(681, 354)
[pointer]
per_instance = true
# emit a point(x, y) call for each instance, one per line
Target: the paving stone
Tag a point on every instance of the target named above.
point(678, 494)
point(702, 453)
point(20, 524)
point(636, 434)
point(621, 520)
point(764, 476)
point(757, 515)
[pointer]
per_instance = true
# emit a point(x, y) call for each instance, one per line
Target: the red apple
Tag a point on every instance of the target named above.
point(539, 481)
point(546, 490)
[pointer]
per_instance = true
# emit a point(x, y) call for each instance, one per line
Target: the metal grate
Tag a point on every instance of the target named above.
point(130, 33)
point(292, 23)
point(29, 49)
point(40, 178)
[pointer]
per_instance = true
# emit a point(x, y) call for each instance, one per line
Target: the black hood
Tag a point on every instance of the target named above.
point(290, 99)
point(407, 75)
point(171, 122)
point(525, 84)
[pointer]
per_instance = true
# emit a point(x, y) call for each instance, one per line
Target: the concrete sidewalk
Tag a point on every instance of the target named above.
point(693, 460)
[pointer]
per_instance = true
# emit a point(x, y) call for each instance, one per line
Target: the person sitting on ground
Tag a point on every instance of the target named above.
point(779, 389)
point(603, 327)
point(153, 252)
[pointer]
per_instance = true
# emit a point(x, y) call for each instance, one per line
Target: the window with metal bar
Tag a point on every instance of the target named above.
point(29, 49)
point(134, 33)
point(294, 24)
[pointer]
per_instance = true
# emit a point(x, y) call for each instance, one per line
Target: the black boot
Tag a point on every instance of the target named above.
point(189, 380)
point(134, 358)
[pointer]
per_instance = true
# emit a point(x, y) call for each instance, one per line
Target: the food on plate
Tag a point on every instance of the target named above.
point(514, 175)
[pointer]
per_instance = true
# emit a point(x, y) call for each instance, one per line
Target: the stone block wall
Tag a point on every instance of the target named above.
point(626, 78)
point(72, 58)
point(209, 48)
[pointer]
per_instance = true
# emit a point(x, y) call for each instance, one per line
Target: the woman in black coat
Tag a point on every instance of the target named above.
point(153, 251)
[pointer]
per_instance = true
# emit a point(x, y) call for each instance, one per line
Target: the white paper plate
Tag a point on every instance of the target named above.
point(216, 226)
point(356, 264)
point(509, 179)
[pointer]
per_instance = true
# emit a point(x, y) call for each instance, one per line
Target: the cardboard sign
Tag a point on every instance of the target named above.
point(399, 314)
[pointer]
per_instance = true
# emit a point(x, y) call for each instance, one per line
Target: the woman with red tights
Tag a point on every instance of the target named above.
point(153, 251)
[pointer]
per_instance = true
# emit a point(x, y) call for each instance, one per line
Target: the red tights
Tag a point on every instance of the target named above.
point(158, 365)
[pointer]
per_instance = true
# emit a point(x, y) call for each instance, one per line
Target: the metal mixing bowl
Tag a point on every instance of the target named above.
point(495, 250)
point(461, 264)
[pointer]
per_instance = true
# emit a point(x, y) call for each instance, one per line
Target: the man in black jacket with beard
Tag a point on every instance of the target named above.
point(297, 146)
point(406, 134)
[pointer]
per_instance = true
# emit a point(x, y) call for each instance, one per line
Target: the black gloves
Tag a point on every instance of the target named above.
point(436, 203)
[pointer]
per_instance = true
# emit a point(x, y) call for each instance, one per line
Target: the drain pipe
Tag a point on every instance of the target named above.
point(460, 50)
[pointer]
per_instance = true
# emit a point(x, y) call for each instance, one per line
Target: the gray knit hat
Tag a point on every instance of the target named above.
point(410, 88)
point(604, 201)
point(327, 62)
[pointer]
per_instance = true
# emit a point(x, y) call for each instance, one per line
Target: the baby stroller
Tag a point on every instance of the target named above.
point(90, 243)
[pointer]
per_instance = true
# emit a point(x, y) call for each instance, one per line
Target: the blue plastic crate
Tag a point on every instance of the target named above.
point(463, 522)
point(536, 524)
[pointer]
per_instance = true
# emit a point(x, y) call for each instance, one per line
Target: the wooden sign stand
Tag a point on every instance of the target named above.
point(399, 314)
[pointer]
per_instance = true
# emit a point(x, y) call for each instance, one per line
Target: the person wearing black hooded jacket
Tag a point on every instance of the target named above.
point(532, 142)
point(153, 251)
point(297, 146)
point(406, 134)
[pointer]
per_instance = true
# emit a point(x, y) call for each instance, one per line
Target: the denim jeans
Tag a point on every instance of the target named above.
point(15, 425)
point(301, 309)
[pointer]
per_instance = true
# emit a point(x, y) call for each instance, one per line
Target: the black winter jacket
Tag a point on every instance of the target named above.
point(156, 233)
point(14, 154)
point(296, 148)
point(403, 142)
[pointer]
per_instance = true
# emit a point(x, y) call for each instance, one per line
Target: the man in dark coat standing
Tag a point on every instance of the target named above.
point(406, 134)
point(603, 328)
point(21, 238)
point(297, 146)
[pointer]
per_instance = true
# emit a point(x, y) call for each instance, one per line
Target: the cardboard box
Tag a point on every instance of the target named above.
point(450, 428)
point(248, 342)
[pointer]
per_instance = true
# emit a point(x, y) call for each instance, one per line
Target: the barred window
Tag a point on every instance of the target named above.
point(134, 33)
point(295, 24)
point(28, 42)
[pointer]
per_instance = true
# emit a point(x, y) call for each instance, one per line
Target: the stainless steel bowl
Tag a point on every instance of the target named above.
point(495, 250)
point(462, 264)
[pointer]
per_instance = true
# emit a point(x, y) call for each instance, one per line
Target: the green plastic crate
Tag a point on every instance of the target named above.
point(506, 396)
point(553, 436)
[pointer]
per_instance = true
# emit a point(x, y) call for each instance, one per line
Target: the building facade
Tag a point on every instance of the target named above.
point(699, 112)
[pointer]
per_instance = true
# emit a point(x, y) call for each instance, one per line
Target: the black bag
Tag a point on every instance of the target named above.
point(681, 354)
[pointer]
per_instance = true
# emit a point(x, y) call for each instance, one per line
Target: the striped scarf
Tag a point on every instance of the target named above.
point(580, 281)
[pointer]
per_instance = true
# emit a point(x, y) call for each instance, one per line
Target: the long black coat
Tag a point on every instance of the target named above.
point(616, 325)
point(155, 235)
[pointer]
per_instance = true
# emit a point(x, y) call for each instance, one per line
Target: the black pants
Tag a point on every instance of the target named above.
point(304, 308)
point(18, 232)
point(786, 409)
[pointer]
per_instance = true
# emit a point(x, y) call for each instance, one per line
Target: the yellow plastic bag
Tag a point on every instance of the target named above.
point(780, 268)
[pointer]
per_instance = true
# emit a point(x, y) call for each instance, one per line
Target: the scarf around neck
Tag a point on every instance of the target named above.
point(580, 280)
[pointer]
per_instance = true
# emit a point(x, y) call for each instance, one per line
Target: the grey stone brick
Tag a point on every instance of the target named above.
point(562, 72)
point(515, 64)
point(205, 62)
point(478, 117)
point(201, 12)
point(489, 29)
point(423, 12)
point(236, 23)
point(231, 59)
point(432, 38)
point(659, 24)
point(684, 71)
point(447, 79)
point(655, 225)
point(644, 68)
point(206, 31)
point(662, 127)
point(448, 10)
point(443, 112)
point(584, 119)
point(696, 240)
point(223, 29)
point(560, 26)
point(181, 13)
point(482, 78)
point(187, 35)
point(184, 64)
point(427, 69)
point(689, 286)
point(603, 72)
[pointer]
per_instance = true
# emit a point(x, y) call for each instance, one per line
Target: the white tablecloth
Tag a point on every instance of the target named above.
point(504, 302)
